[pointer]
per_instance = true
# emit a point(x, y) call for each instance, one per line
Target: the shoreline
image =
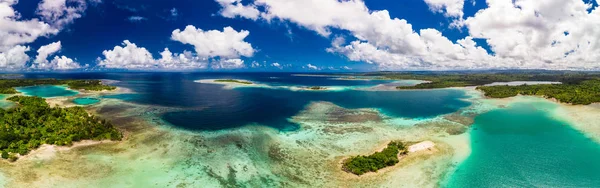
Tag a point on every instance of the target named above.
point(48, 152)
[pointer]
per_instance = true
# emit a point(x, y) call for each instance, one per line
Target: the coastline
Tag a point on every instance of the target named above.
point(168, 155)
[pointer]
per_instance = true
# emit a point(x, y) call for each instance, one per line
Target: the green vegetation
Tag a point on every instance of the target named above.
point(33, 123)
point(317, 88)
point(7, 86)
point(234, 81)
point(461, 79)
point(388, 157)
point(583, 93)
point(580, 88)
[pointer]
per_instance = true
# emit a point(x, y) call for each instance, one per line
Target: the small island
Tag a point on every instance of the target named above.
point(234, 81)
point(571, 87)
point(360, 165)
point(7, 86)
point(316, 88)
point(582, 93)
point(33, 123)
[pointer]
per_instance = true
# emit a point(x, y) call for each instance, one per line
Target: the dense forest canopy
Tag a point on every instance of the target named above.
point(7, 86)
point(576, 88)
point(584, 93)
point(33, 123)
point(388, 157)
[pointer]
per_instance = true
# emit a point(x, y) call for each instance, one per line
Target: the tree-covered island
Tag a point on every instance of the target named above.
point(234, 81)
point(7, 86)
point(576, 88)
point(388, 157)
point(33, 123)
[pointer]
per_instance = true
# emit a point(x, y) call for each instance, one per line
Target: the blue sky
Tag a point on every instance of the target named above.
point(291, 41)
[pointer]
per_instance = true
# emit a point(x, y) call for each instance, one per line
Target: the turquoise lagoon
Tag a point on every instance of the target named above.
point(524, 146)
point(3, 102)
point(47, 91)
point(86, 101)
point(206, 139)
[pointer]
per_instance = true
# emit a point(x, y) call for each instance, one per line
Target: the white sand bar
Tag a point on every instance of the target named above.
point(421, 146)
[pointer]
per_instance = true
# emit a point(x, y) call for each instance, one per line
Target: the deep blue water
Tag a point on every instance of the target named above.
point(210, 107)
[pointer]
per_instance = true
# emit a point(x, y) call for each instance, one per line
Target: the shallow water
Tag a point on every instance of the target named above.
point(47, 91)
point(188, 134)
point(86, 101)
point(523, 146)
point(3, 102)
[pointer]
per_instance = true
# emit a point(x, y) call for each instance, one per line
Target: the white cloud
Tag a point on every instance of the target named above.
point(228, 43)
point(255, 64)
point(220, 49)
point(233, 8)
point(174, 12)
point(185, 60)
point(450, 8)
point(61, 12)
point(15, 31)
point(551, 34)
point(45, 51)
point(14, 58)
point(129, 56)
point(58, 63)
point(276, 65)
point(310, 66)
point(228, 64)
point(64, 63)
point(136, 19)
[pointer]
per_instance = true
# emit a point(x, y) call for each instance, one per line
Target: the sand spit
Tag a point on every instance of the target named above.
point(47, 152)
point(425, 145)
point(233, 85)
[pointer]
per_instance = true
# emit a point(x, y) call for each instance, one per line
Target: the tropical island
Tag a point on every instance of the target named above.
point(234, 81)
point(33, 123)
point(316, 88)
point(7, 86)
point(360, 165)
point(579, 88)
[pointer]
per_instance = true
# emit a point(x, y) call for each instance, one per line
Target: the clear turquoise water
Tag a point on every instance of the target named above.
point(4, 103)
point(86, 101)
point(523, 146)
point(47, 91)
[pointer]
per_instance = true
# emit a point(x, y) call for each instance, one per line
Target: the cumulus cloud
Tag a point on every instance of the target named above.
point(220, 49)
point(558, 34)
point(276, 65)
point(228, 43)
point(234, 8)
point(552, 34)
point(228, 64)
point(64, 63)
point(450, 8)
point(14, 58)
point(61, 12)
point(45, 51)
point(58, 63)
point(310, 66)
point(185, 60)
point(16, 31)
point(128, 56)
